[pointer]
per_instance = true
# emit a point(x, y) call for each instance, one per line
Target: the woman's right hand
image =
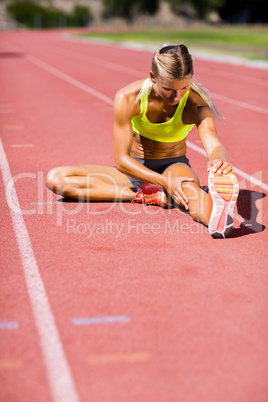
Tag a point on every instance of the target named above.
point(174, 188)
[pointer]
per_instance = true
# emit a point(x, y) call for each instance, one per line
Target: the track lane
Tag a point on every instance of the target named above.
point(258, 78)
point(57, 368)
point(21, 363)
point(243, 128)
point(162, 288)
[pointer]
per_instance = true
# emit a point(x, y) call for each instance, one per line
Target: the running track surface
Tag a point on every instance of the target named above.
point(108, 302)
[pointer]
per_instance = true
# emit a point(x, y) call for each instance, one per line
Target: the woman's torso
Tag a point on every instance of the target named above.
point(158, 112)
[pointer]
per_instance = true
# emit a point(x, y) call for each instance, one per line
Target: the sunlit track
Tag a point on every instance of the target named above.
point(69, 79)
point(79, 55)
point(59, 375)
point(240, 104)
point(236, 77)
point(218, 72)
point(97, 61)
point(143, 298)
point(239, 172)
point(117, 67)
point(137, 74)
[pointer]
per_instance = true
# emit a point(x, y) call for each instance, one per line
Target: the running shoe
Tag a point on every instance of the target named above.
point(151, 194)
point(223, 189)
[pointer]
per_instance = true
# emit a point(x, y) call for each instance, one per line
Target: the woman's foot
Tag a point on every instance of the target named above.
point(152, 195)
point(223, 190)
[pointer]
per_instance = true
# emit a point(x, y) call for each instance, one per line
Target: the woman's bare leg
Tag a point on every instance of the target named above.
point(200, 203)
point(90, 183)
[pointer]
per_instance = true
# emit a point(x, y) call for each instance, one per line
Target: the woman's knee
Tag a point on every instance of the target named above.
point(196, 200)
point(54, 178)
point(181, 170)
point(191, 189)
point(66, 181)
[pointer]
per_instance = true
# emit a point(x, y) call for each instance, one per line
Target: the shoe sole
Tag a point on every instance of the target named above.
point(224, 191)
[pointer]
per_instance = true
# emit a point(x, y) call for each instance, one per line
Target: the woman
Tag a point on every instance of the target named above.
point(152, 119)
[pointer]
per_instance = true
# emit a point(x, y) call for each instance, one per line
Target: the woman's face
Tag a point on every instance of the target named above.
point(171, 91)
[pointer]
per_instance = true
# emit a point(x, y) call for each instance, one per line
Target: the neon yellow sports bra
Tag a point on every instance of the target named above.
point(172, 130)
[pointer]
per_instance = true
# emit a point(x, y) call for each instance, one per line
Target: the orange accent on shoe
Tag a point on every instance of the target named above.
point(221, 224)
point(151, 195)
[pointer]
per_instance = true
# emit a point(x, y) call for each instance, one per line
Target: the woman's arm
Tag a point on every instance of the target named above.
point(124, 109)
point(216, 152)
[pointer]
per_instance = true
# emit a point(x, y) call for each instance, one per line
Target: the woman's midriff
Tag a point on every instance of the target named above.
point(145, 148)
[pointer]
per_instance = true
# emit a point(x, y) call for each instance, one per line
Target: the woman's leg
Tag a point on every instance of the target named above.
point(199, 204)
point(90, 183)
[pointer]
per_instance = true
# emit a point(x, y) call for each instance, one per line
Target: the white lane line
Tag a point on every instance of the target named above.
point(126, 70)
point(240, 172)
point(216, 58)
point(67, 78)
point(238, 61)
point(58, 372)
point(238, 103)
point(217, 73)
point(99, 62)
point(137, 73)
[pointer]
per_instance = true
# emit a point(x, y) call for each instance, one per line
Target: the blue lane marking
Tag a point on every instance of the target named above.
point(43, 203)
point(100, 320)
point(9, 325)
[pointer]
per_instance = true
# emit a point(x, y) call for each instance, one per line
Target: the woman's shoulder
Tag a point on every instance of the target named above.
point(130, 91)
point(196, 109)
point(126, 98)
point(194, 99)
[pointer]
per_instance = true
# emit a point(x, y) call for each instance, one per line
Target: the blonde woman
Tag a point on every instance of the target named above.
point(152, 119)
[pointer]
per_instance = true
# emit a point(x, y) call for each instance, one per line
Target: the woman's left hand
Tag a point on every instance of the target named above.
point(219, 166)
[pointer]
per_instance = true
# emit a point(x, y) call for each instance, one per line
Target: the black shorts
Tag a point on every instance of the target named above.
point(158, 166)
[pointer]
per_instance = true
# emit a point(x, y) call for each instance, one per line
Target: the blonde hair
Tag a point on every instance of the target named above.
point(175, 62)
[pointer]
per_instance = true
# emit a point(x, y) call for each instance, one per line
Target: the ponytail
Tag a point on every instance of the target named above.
point(146, 89)
point(197, 88)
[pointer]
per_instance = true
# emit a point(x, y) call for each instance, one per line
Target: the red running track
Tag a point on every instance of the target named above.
point(112, 302)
